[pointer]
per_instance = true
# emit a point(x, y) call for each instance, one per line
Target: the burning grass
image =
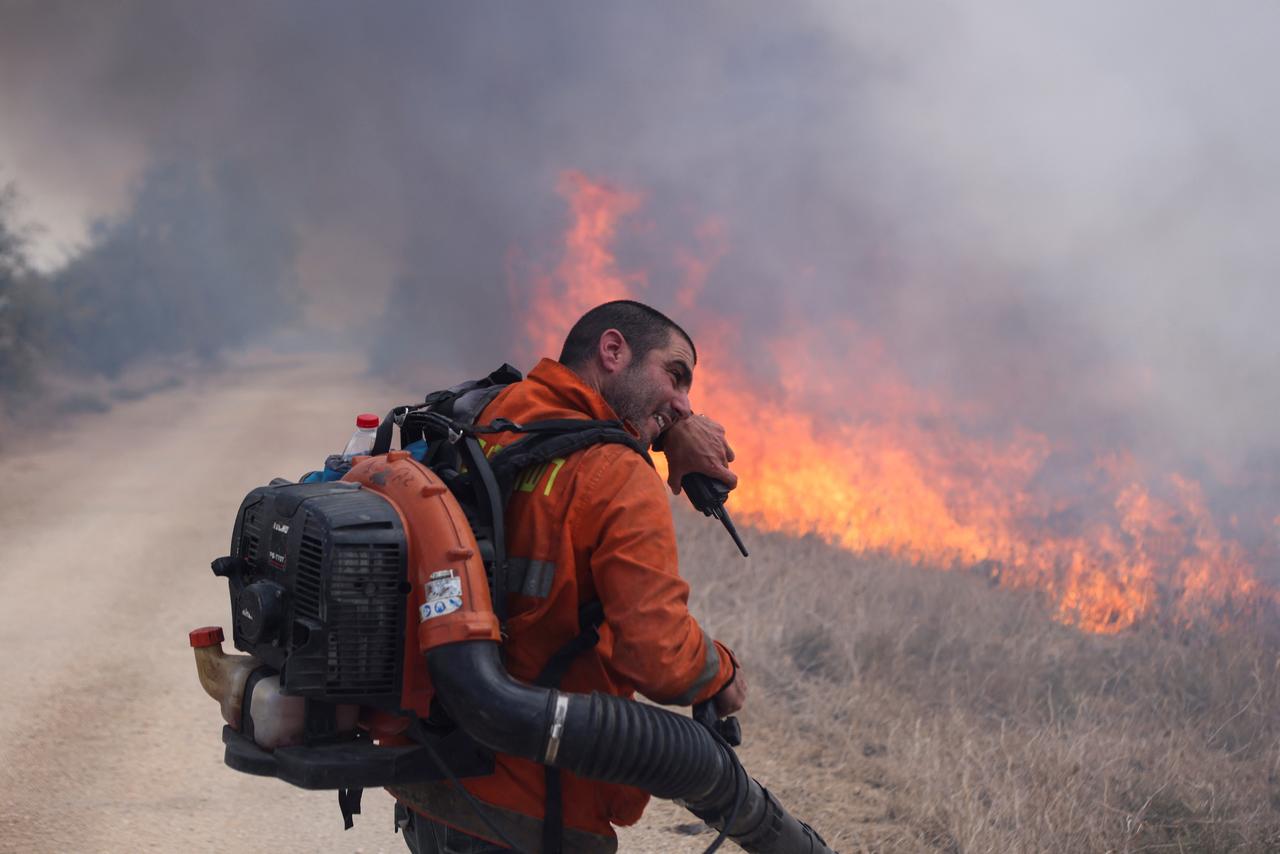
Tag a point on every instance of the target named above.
point(910, 709)
point(915, 473)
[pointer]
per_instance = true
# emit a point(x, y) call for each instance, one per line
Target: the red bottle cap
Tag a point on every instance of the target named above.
point(365, 420)
point(208, 636)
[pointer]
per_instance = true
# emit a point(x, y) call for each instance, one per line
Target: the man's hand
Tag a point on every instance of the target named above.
point(733, 696)
point(697, 444)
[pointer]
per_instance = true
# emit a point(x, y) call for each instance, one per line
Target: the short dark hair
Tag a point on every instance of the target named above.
point(644, 328)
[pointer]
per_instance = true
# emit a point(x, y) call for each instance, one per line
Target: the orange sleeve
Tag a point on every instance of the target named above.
point(658, 645)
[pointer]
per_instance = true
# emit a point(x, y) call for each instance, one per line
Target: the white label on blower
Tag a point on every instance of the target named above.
point(444, 595)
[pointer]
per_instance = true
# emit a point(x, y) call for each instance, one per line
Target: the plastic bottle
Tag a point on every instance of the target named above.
point(361, 441)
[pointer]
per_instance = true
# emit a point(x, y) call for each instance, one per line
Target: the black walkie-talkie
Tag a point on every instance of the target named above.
point(708, 495)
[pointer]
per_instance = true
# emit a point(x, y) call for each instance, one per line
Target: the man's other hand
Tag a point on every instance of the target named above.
point(697, 444)
point(733, 696)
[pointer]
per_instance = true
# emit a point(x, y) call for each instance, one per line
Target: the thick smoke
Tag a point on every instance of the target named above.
point(1060, 211)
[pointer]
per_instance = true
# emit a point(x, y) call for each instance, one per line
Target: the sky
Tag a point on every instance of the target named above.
point(1060, 210)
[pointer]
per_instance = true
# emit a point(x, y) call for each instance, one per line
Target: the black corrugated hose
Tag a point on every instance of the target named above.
point(607, 738)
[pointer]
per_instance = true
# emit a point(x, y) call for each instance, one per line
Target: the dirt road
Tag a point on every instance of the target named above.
point(107, 743)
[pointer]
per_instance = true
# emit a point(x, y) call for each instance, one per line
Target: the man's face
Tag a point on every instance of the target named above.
point(652, 393)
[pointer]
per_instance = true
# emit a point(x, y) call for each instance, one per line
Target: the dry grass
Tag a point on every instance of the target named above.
point(921, 710)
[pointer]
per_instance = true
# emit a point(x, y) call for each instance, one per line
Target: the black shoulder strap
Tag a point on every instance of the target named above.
point(547, 440)
point(544, 441)
point(590, 617)
point(382, 439)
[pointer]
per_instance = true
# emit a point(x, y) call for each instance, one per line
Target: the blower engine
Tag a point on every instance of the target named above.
point(374, 660)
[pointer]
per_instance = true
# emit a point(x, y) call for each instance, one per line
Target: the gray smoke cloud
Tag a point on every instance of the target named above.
point(1063, 210)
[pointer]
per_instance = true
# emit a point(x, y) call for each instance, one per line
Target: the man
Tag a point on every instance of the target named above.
point(595, 526)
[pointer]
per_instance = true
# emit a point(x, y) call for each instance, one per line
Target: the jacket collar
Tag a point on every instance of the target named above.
point(560, 387)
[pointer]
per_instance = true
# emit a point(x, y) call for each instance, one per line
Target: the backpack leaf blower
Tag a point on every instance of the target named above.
point(374, 658)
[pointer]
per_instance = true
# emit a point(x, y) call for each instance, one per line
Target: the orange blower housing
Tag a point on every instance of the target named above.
point(338, 590)
point(448, 599)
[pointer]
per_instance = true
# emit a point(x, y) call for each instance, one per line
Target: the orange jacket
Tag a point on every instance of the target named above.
point(594, 526)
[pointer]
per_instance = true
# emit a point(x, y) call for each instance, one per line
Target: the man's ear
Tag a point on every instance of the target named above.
point(614, 352)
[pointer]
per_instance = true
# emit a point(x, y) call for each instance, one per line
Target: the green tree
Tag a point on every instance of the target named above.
point(24, 303)
point(200, 261)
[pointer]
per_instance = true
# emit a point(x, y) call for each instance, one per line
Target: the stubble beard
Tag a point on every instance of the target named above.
point(629, 398)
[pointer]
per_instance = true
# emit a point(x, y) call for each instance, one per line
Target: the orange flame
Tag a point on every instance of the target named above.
point(854, 453)
point(587, 274)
